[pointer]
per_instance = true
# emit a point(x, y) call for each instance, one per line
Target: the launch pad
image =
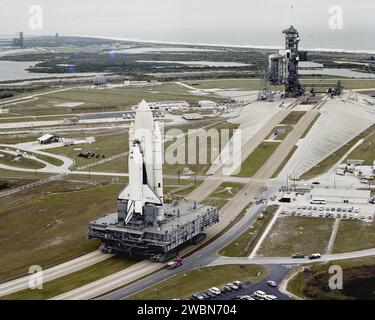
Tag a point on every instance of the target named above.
point(145, 226)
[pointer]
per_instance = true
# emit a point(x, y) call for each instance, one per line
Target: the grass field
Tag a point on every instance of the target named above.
point(310, 126)
point(358, 281)
point(183, 147)
point(328, 162)
point(20, 162)
point(354, 236)
point(245, 243)
point(223, 194)
point(297, 234)
point(255, 160)
point(183, 285)
point(72, 281)
point(366, 151)
point(47, 225)
point(283, 164)
point(293, 117)
point(102, 100)
point(107, 145)
point(46, 158)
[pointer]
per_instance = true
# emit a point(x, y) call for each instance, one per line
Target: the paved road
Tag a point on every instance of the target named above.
point(55, 272)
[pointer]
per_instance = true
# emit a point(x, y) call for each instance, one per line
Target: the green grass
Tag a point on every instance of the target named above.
point(358, 281)
point(285, 161)
point(297, 234)
point(104, 100)
point(23, 162)
point(328, 162)
point(354, 236)
point(366, 151)
point(243, 245)
point(221, 195)
point(47, 225)
point(310, 126)
point(255, 160)
point(181, 147)
point(293, 117)
point(46, 158)
point(183, 285)
point(72, 281)
point(107, 145)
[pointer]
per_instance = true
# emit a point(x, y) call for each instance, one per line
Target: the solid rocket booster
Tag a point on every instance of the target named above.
point(158, 162)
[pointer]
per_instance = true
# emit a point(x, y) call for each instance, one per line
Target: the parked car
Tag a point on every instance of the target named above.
point(246, 297)
point(210, 294)
point(232, 286)
point(316, 182)
point(238, 283)
point(197, 296)
point(205, 295)
point(227, 288)
point(215, 291)
point(270, 297)
point(259, 294)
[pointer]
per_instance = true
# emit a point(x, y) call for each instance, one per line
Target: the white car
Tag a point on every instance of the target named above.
point(215, 291)
point(246, 298)
point(260, 294)
point(232, 286)
point(270, 297)
point(272, 283)
point(237, 283)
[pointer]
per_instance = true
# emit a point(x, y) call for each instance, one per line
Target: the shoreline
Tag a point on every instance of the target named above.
point(328, 50)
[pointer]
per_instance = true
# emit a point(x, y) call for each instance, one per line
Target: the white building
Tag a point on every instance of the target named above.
point(207, 104)
point(169, 105)
point(341, 195)
point(48, 138)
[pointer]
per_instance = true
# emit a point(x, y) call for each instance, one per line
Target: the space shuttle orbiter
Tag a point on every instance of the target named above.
point(145, 166)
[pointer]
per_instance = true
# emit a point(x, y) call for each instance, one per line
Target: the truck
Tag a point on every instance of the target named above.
point(174, 264)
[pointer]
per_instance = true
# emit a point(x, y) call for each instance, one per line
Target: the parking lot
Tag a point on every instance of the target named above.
point(300, 205)
point(248, 288)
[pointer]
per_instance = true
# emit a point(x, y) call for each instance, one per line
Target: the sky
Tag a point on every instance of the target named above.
point(180, 19)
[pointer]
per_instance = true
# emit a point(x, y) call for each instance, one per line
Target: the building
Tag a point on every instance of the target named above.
point(48, 138)
point(341, 195)
point(169, 105)
point(100, 81)
point(207, 104)
point(144, 224)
